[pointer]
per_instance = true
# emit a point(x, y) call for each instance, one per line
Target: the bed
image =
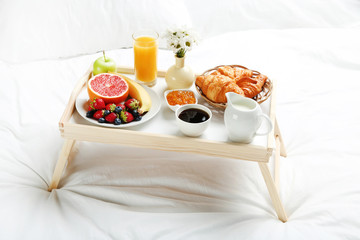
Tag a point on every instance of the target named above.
point(108, 191)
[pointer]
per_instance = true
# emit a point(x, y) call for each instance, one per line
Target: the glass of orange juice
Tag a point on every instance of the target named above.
point(145, 56)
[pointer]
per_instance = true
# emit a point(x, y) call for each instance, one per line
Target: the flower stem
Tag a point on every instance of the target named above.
point(180, 53)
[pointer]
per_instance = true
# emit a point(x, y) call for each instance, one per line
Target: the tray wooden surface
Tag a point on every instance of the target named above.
point(75, 129)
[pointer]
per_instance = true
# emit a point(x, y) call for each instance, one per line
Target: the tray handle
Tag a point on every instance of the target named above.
point(130, 70)
point(71, 103)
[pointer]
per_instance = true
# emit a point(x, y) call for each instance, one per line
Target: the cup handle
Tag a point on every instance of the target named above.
point(269, 125)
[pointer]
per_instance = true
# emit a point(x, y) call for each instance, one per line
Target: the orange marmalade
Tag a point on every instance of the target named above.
point(180, 97)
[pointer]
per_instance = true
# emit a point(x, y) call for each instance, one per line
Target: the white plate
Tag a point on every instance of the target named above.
point(82, 106)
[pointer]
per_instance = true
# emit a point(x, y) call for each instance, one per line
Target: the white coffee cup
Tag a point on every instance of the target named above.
point(189, 128)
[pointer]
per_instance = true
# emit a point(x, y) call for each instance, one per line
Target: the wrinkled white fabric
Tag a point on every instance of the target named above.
point(40, 29)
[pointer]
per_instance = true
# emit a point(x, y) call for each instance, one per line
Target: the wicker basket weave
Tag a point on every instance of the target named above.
point(261, 97)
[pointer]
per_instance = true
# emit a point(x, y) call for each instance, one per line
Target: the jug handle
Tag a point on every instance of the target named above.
point(268, 123)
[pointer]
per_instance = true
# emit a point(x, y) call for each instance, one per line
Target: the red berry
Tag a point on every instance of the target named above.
point(98, 114)
point(98, 103)
point(121, 105)
point(111, 107)
point(110, 117)
point(132, 104)
point(126, 116)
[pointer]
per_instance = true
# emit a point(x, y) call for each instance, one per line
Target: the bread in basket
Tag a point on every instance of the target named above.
point(214, 83)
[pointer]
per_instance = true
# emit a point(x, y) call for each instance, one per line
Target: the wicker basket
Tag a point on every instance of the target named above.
point(261, 97)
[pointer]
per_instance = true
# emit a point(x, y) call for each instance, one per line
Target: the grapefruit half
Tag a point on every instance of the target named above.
point(110, 87)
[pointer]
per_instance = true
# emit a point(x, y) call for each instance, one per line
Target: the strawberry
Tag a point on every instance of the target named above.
point(111, 117)
point(97, 104)
point(126, 117)
point(132, 104)
point(121, 105)
point(111, 107)
point(98, 114)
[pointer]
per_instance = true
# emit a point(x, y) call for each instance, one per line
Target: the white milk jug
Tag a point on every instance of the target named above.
point(243, 117)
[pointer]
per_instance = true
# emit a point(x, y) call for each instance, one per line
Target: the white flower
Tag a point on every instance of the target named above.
point(180, 40)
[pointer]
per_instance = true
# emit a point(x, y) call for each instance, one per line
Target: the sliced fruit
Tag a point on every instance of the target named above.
point(109, 87)
point(138, 92)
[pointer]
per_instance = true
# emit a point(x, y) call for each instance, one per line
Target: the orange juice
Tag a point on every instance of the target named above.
point(145, 59)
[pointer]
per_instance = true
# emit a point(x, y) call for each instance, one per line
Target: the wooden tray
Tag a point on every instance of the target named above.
point(72, 130)
point(75, 129)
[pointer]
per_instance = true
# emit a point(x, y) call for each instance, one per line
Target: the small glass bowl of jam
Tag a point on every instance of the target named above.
point(178, 97)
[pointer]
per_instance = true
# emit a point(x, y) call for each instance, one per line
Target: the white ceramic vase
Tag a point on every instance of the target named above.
point(179, 76)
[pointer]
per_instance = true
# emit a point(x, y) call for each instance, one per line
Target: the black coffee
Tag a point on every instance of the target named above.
point(193, 115)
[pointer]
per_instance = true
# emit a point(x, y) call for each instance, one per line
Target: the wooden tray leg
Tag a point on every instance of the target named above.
point(277, 163)
point(280, 151)
point(61, 163)
point(278, 134)
point(273, 192)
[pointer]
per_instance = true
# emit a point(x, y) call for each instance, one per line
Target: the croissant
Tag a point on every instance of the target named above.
point(242, 73)
point(251, 86)
point(228, 79)
point(214, 87)
point(227, 71)
point(234, 73)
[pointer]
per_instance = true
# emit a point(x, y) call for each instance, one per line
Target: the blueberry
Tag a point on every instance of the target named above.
point(102, 120)
point(137, 118)
point(135, 113)
point(90, 113)
point(107, 112)
point(117, 121)
point(118, 109)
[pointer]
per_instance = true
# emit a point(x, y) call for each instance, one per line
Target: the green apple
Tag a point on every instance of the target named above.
point(103, 65)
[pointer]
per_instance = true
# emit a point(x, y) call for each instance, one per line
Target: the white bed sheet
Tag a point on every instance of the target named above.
point(117, 192)
point(41, 29)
